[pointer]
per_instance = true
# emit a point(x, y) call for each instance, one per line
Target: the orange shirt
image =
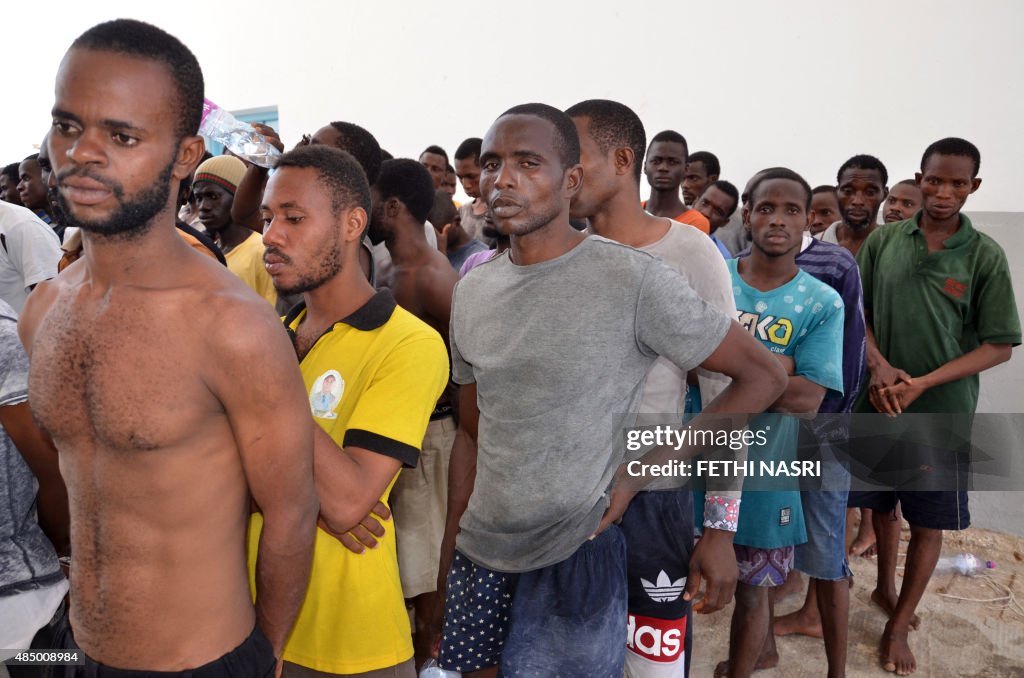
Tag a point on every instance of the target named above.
point(691, 217)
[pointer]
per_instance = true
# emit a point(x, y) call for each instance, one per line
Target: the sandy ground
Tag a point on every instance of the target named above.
point(957, 638)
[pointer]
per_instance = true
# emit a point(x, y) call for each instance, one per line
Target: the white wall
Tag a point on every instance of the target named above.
point(801, 83)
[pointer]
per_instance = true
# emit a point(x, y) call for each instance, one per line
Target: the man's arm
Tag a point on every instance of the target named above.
point(245, 208)
point(254, 375)
point(900, 396)
point(349, 481)
point(436, 287)
point(41, 457)
point(802, 397)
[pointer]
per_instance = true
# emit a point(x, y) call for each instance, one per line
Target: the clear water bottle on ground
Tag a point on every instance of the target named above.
point(432, 670)
point(966, 564)
point(237, 136)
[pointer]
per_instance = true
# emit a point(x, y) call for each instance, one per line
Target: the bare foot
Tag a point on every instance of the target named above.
point(864, 549)
point(794, 584)
point(865, 544)
point(767, 660)
point(800, 623)
point(895, 652)
point(888, 604)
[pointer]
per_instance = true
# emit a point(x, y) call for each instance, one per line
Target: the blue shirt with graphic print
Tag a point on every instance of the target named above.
point(802, 319)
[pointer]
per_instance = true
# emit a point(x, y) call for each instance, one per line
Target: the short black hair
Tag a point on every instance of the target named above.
point(907, 182)
point(673, 137)
point(139, 39)
point(362, 145)
point(436, 150)
point(448, 169)
point(384, 155)
point(709, 159)
point(470, 148)
point(954, 146)
point(745, 196)
point(782, 173)
point(410, 182)
point(614, 125)
point(824, 188)
point(11, 171)
point(864, 162)
point(339, 171)
point(729, 190)
point(567, 141)
point(34, 156)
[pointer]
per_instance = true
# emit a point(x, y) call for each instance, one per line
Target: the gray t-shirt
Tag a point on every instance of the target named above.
point(27, 558)
point(559, 351)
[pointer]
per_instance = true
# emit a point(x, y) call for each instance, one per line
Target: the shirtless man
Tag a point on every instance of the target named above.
point(422, 282)
point(423, 279)
point(166, 423)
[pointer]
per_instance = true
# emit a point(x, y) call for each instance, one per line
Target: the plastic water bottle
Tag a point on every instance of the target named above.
point(966, 564)
point(432, 670)
point(237, 136)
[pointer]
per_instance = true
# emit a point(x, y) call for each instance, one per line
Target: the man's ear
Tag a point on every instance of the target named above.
point(975, 184)
point(190, 154)
point(573, 180)
point(354, 224)
point(624, 160)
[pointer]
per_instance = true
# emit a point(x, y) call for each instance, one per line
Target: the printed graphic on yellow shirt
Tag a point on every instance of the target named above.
point(326, 394)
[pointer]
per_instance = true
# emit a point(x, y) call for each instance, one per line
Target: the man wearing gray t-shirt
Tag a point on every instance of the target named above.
point(552, 340)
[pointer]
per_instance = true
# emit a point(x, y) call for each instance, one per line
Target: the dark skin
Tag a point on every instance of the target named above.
point(9, 190)
point(664, 167)
point(213, 203)
point(31, 188)
point(824, 211)
point(530, 190)
point(946, 181)
point(423, 279)
point(695, 181)
point(437, 165)
point(777, 217)
point(160, 479)
point(860, 194)
point(717, 206)
point(41, 456)
point(901, 203)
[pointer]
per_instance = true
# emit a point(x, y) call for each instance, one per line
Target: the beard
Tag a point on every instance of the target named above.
point(319, 272)
point(864, 223)
point(132, 218)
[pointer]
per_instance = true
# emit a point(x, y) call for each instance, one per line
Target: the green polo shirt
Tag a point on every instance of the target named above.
point(928, 309)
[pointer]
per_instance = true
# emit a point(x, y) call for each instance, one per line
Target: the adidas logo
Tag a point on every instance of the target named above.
point(664, 590)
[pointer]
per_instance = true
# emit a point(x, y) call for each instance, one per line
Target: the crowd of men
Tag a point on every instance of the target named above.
point(223, 500)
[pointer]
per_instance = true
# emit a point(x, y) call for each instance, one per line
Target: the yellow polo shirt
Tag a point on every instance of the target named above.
point(373, 380)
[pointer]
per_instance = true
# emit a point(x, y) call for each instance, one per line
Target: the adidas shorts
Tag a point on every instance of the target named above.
point(658, 527)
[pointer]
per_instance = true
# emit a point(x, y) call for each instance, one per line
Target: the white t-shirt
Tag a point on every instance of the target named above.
point(29, 253)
